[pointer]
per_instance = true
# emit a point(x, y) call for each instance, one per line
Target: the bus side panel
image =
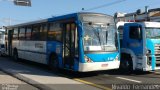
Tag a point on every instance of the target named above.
point(56, 48)
point(31, 50)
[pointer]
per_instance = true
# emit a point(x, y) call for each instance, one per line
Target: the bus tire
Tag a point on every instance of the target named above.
point(126, 64)
point(53, 62)
point(15, 55)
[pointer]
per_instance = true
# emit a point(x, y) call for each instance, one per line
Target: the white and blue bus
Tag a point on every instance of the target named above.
point(80, 42)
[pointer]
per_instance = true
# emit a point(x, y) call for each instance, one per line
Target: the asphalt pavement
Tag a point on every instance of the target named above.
point(67, 80)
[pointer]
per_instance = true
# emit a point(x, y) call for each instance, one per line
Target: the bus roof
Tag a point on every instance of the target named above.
point(28, 23)
point(74, 15)
point(56, 18)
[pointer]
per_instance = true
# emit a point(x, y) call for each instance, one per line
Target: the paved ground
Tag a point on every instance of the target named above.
point(40, 78)
point(109, 78)
point(7, 81)
point(102, 80)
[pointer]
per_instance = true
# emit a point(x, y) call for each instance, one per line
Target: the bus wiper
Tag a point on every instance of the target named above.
point(97, 35)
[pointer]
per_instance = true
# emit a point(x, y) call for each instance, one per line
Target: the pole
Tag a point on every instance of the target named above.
point(147, 13)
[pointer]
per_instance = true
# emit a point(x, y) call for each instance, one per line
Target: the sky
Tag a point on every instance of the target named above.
point(41, 9)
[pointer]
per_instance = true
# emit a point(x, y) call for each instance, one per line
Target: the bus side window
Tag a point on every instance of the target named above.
point(22, 33)
point(15, 34)
point(28, 33)
point(43, 32)
point(36, 32)
point(55, 32)
point(75, 38)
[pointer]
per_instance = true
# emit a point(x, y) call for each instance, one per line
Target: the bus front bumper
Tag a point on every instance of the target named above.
point(97, 66)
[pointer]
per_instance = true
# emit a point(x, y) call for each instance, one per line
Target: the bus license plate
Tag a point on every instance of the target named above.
point(104, 65)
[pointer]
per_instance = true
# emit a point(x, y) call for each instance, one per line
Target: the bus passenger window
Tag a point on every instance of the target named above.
point(74, 33)
point(22, 33)
point(43, 32)
point(15, 34)
point(55, 32)
point(35, 32)
point(28, 33)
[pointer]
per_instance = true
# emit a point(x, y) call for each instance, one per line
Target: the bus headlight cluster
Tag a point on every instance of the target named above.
point(117, 58)
point(87, 59)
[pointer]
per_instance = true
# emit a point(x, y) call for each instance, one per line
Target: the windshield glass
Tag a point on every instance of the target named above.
point(153, 33)
point(99, 37)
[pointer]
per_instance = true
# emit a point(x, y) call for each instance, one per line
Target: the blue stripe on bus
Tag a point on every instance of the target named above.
point(105, 57)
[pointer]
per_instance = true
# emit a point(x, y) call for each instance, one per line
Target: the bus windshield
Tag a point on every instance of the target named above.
point(99, 37)
point(153, 33)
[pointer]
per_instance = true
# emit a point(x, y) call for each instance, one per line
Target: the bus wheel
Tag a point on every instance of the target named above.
point(15, 55)
point(53, 62)
point(126, 65)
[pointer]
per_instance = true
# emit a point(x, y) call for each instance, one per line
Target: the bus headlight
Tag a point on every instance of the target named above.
point(87, 59)
point(117, 58)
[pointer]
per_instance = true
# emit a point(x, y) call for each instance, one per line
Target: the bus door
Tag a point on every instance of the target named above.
point(10, 32)
point(69, 38)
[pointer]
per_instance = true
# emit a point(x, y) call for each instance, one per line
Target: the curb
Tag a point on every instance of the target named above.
point(27, 80)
